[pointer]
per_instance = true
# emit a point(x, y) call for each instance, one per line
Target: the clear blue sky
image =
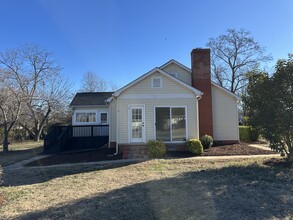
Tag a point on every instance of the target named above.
point(123, 39)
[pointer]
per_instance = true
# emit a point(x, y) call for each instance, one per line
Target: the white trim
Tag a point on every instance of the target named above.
point(159, 96)
point(194, 90)
point(161, 81)
point(186, 123)
point(98, 113)
point(74, 122)
point(176, 63)
point(130, 107)
point(88, 106)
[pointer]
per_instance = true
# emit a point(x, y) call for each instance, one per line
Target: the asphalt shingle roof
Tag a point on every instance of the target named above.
point(90, 98)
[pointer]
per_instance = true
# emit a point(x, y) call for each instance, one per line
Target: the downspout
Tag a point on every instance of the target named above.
point(117, 129)
point(198, 97)
point(117, 149)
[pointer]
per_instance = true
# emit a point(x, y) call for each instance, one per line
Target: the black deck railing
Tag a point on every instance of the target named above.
point(58, 136)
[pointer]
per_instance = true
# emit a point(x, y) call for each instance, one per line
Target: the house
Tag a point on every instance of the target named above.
point(171, 103)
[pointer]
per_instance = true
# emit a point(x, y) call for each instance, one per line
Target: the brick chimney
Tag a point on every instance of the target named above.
point(201, 80)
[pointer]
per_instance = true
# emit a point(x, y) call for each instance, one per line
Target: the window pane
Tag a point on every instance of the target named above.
point(163, 124)
point(91, 117)
point(80, 117)
point(104, 119)
point(136, 123)
point(178, 124)
point(86, 117)
point(156, 82)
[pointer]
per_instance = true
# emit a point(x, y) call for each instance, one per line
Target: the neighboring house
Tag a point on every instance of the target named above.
point(171, 103)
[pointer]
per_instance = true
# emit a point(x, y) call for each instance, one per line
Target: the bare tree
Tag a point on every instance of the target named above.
point(10, 106)
point(232, 55)
point(44, 90)
point(93, 83)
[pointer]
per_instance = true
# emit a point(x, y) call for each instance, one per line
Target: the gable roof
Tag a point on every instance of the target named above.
point(90, 98)
point(176, 63)
point(190, 71)
point(194, 90)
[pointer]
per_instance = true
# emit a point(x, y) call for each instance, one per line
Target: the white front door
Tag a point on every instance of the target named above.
point(136, 123)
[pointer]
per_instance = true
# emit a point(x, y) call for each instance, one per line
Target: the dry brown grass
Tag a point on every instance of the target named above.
point(20, 151)
point(154, 189)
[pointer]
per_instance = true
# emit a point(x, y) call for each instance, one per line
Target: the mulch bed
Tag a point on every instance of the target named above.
point(103, 154)
point(235, 149)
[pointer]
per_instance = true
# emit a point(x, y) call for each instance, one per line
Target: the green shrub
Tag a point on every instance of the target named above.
point(244, 133)
point(254, 134)
point(156, 149)
point(194, 146)
point(248, 133)
point(206, 141)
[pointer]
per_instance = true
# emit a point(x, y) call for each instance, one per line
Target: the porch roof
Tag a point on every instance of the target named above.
point(90, 98)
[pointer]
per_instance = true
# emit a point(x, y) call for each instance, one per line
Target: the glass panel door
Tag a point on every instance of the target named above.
point(163, 124)
point(170, 124)
point(137, 124)
point(178, 124)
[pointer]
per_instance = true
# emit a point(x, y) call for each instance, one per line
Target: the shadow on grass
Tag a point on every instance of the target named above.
point(40, 175)
point(251, 192)
point(27, 150)
point(14, 156)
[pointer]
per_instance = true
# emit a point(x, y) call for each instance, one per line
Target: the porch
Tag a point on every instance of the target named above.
point(64, 138)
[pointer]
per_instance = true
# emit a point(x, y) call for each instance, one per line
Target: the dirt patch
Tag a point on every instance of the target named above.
point(77, 157)
point(235, 149)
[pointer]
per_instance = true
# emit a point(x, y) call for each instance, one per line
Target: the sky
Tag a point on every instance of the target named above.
point(122, 39)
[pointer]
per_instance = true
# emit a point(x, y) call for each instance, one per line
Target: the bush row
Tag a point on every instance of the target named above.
point(248, 133)
point(157, 149)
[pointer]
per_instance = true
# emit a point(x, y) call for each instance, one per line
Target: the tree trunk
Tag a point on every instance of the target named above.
point(290, 158)
point(37, 135)
point(5, 140)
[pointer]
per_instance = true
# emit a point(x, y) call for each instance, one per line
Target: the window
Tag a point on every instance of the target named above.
point(157, 82)
point(170, 124)
point(104, 118)
point(174, 74)
point(86, 117)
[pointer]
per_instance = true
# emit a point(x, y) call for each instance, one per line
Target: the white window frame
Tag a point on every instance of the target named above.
point(85, 123)
point(186, 123)
point(161, 81)
point(107, 122)
point(130, 140)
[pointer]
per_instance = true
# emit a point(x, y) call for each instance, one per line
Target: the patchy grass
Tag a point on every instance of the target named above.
point(20, 151)
point(154, 189)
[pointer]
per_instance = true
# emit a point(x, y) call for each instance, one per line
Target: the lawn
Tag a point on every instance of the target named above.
point(154, 189)
point(20, 151)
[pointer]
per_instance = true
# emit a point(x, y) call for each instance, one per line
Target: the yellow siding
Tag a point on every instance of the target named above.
point(225, 115)
point(182, 74)
point(151, 97)
point(144, 87)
